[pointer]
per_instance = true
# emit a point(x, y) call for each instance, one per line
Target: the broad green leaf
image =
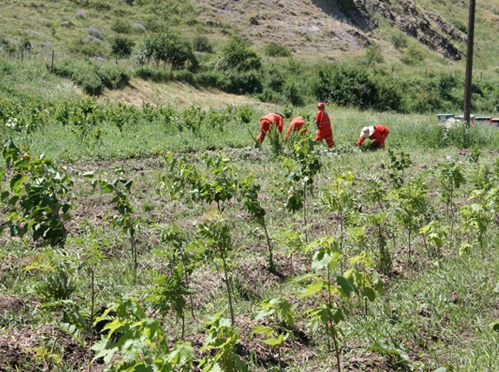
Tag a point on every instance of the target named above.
point(261, 329)
point(107, 188)
point(346, 286)
point(262, 314)
point(275, 341)
point(369, 293)
point(321, 260)
point(313, 288)
point(88, 174)
point(182, 354)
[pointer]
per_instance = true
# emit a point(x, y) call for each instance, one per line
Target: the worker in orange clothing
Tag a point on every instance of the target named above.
point(323, 126)
point(376, 132)
point(297, 124)
point(266, 123)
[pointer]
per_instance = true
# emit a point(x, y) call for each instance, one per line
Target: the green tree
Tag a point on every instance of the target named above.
point(238, 55)
point(121, 46)
point(170, 48)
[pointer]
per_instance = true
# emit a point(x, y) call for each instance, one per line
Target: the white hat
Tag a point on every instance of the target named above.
point(367, 132)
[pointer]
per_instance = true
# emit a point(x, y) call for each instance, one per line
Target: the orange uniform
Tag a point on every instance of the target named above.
point(379, 135)
point(296, 125)
point(324, 128)
point(266, 123)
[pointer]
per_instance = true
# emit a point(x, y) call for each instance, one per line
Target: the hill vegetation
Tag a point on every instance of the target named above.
point(405, 57)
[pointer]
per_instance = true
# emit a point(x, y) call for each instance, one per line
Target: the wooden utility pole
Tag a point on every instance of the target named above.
point(469, 64)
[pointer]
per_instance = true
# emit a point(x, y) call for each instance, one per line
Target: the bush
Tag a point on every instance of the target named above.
point(122, 46)
point(88, 81)
point(185, 76)
point(121, 26)
point(412, 55)
point(238, 55)
point(167, 47)
point(274, 49)
point(399, 41)
point(351, 85)
point(92, 77)
point(154, 74)
point(291, 91)
point(112, 76)
point(373, 55)
point(202, 44)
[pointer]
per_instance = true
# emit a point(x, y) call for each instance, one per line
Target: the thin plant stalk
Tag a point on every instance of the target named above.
point(271, 258)
point(228, 290)
point(305, 211)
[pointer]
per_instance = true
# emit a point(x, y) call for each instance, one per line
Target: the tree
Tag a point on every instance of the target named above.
point(167, 47)
point(121, 46)
point(238, 55)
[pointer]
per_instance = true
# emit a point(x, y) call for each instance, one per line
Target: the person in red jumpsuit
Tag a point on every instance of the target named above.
point(297, 124)
point(323, 126)
point(376, 132)
point(266, 123)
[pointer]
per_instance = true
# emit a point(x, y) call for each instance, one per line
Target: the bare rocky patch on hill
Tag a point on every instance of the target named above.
point(326, 28)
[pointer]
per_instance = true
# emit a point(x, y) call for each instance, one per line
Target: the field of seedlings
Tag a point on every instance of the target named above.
point(159, 239)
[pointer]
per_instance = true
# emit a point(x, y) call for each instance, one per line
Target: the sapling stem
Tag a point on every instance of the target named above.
point(228, 290)
point(305, 211)
point(271, 258)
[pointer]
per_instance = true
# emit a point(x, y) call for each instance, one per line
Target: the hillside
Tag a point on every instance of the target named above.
point(407, 38)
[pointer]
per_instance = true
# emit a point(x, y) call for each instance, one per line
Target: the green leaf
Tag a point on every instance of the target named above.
point(182, 354)
point(321, 260)
point(108, 188)
point(369, 293)
point(346, 286)
point(275, 342)
point(262, 314)
point(88, 174)
point(261, 329)
point(313, 288)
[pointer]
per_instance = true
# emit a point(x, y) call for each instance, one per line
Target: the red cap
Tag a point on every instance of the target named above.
point(320, 106)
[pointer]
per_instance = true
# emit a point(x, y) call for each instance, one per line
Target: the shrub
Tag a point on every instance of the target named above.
point(121, 26)
point(274, 49)
point(153, 74)
point(291, 91)
point(121, 46)
point(238, 55)
point(399, 41)
point(89, 46)
point(373, 55)
point(167, 47)
point(185, 76)
point(89, 82)
point(351, 85)
point(92, 77)
point(412, 55)
point(202, 44)
point(112, 76)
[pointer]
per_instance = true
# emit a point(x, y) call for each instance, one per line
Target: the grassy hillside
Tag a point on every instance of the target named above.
point(293, 38)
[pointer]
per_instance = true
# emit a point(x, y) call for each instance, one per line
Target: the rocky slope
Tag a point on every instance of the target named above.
point(326, 27)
